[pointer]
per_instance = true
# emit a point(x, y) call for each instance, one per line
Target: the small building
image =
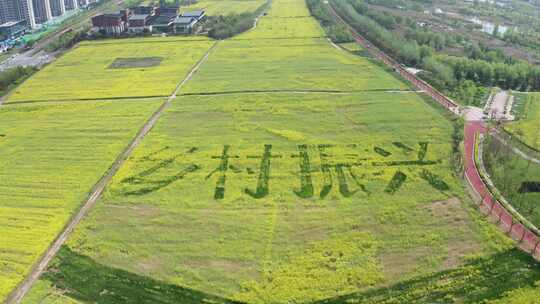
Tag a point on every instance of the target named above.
point(164, 19)
point(197, 15)
point(13, 29)
point(184, 25)
point(111, 24)
point(139, 23)
point(163, 23)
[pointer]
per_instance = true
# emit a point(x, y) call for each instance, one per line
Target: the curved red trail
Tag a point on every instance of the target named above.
point(528, 240)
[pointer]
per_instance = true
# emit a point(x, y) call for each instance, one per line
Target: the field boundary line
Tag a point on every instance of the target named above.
point(297, 92)
point(79, 100)
point(16, 296)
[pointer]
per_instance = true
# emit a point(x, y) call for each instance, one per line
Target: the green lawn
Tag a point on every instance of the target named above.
point(52, 155)
point(85, 73)
point(511, 175)
point(526, 128)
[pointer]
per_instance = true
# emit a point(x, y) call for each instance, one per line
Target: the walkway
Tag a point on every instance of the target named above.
point(528, 241)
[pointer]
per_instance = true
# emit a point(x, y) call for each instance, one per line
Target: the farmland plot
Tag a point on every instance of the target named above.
point(86, 73)
point(226, 7)
point(283, 27)
point(291, 197)
point(51, 156)
point(272, 191)
point(288, 64)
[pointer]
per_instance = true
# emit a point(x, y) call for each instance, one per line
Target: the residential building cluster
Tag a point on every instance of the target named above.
point(148, 19)
point(31, 13)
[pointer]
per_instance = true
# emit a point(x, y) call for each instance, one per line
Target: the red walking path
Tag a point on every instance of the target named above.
point(528, 241)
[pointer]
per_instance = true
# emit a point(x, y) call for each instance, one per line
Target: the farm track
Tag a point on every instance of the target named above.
point(148, 98)
point(98, 189)
point(137, 98)
point(296, 92)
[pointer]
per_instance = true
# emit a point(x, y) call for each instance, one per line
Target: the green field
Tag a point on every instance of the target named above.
point(286, 171)
point(226, 7)
point(85, 72)
point(305, 174)
point(288, 64)
point(52, 156)
point(515, 178)
point(526, 128)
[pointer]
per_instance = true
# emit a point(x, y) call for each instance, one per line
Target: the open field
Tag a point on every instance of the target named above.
point(51, 157)
point(283, 27)
point(290, 193)
point(85, 72)
point(526, 129)
point(225, 7)
point(288, 64)
point(272, 191)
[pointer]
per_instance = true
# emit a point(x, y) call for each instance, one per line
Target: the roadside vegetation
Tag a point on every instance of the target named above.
point(464, 78)
point(11, 78)
point(518, 179)
point(528, 123)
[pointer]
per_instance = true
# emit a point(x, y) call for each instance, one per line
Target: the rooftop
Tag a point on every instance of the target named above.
point(196, 13)
point(163, 19)
point(138, 17)
point(183, 20)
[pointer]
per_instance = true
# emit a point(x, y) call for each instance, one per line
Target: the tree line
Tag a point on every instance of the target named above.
point(336, 32)
point(222, 27)
point(458, 76)
point(12, 77)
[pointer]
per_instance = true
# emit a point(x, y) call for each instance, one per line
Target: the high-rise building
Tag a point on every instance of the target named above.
point(16, 10)
point(42, 10)
point(58, 7)
point(35, 11)
point(71, 4)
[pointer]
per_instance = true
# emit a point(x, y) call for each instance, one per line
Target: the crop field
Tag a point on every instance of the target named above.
point(52, 155)
point(287, 198)
point(527, 127)
point(86, 73)
point(285, 171)
point(283, 27)
point(288, 64)
point(289, 9)
point(226, 7)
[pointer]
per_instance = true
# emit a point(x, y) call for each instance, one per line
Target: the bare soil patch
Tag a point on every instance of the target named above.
point(135, 62)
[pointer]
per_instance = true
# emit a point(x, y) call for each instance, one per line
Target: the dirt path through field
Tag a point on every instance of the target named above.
point(98, 189)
